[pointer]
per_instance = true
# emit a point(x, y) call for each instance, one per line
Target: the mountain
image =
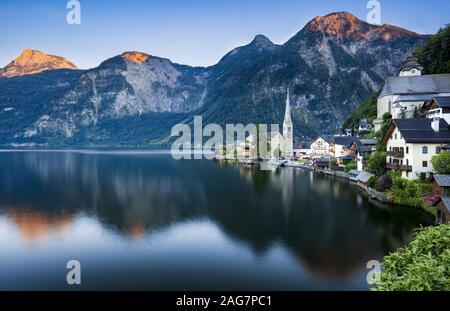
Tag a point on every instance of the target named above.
point(330, 66)
point(32, 62)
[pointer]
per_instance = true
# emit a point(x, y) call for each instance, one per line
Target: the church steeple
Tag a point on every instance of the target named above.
point(288, 129)
point(287, 114)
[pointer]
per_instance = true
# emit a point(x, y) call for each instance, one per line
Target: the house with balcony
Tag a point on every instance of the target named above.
point(411, 144)
point(438, 107)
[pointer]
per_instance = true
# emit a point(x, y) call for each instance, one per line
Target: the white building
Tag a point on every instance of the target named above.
point(403, 94)
point(411, 144)
point(439, 107)
point(322, 146)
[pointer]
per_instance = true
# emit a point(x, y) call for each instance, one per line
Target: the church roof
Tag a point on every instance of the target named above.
point(411, 63)
point(417, 85)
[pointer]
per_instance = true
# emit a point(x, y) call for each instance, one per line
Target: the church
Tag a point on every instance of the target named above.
point(283, 144)
point(403, 95)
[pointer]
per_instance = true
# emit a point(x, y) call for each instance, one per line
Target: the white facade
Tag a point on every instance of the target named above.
point(320, 147)
point(412, 159)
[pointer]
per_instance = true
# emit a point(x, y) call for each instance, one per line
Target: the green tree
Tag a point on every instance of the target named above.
point(367, 110)
point(424, 265)
point(434, 55)
point(377, 163)
point(441, 163)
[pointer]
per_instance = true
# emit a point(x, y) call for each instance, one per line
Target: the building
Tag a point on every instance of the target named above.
point(439, 107)
point(342, 146)
point(411, 144)
point(363, 180)
point(364, 127)
point(362, 149)
point(406, 93)
point(322, 146)
point(441, 187)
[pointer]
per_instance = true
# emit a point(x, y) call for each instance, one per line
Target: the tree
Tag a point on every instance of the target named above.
point(377, 163)
point(441, 163)
point(434, 55)
point(423, 265)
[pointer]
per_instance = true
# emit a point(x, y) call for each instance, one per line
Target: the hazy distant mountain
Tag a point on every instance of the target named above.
point(32, 62)
point(132, 99)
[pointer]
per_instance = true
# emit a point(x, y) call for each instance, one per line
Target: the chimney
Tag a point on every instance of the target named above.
point(435, 124)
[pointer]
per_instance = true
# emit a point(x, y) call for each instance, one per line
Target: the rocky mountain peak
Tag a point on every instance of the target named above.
point(263, 41)
point(135, 57)
point(33, 61)
point(344, 25)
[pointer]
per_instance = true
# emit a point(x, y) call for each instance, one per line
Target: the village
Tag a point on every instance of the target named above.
point(402, 157)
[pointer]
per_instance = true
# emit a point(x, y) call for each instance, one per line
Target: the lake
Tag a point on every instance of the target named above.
point(143, 221)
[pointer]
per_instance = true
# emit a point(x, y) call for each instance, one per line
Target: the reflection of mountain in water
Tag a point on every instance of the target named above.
point(323, 221)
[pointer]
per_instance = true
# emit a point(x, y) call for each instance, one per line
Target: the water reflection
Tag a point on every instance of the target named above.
point(317, 226)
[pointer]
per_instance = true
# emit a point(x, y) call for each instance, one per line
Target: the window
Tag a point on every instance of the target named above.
point(425, 150)
point(425, 164)
point(438, 150)
point(395, 136)
point(407, 150)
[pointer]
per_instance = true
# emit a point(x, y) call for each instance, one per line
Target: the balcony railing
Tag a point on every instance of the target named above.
point(399, 167)
point(396, 154)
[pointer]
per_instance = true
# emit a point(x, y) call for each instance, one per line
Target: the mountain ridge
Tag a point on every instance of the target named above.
point(329, 75)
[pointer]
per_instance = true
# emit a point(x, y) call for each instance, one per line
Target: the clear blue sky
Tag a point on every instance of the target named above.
point(194, 32)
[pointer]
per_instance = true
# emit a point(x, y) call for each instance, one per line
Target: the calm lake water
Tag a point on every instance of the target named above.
point(148, 222)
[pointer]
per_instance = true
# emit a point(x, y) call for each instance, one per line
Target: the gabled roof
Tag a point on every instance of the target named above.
point(345, 141)
point(442, 180)
point(364, 177)
point(417, 85)
point(446, 201)
point(365, 145)
point(419, 131)
point(442, 101)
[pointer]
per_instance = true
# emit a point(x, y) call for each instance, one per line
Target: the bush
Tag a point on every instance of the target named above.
point(377, 163)
point(351, 166)
point(372, 182)
point(384, 183)
point(409, 192)
point(441, 163)
point(423, 265)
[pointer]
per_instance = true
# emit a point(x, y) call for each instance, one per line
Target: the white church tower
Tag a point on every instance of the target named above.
point(288, 130)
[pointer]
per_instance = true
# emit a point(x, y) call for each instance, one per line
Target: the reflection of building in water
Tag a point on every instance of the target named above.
point(37, 225)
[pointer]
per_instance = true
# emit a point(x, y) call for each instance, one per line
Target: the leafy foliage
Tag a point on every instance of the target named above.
point(424, 265)
point(441, 163)
point(377, 163)
point(367, 110)
point(408, 192)
point(434, 55)
point(350, 166)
